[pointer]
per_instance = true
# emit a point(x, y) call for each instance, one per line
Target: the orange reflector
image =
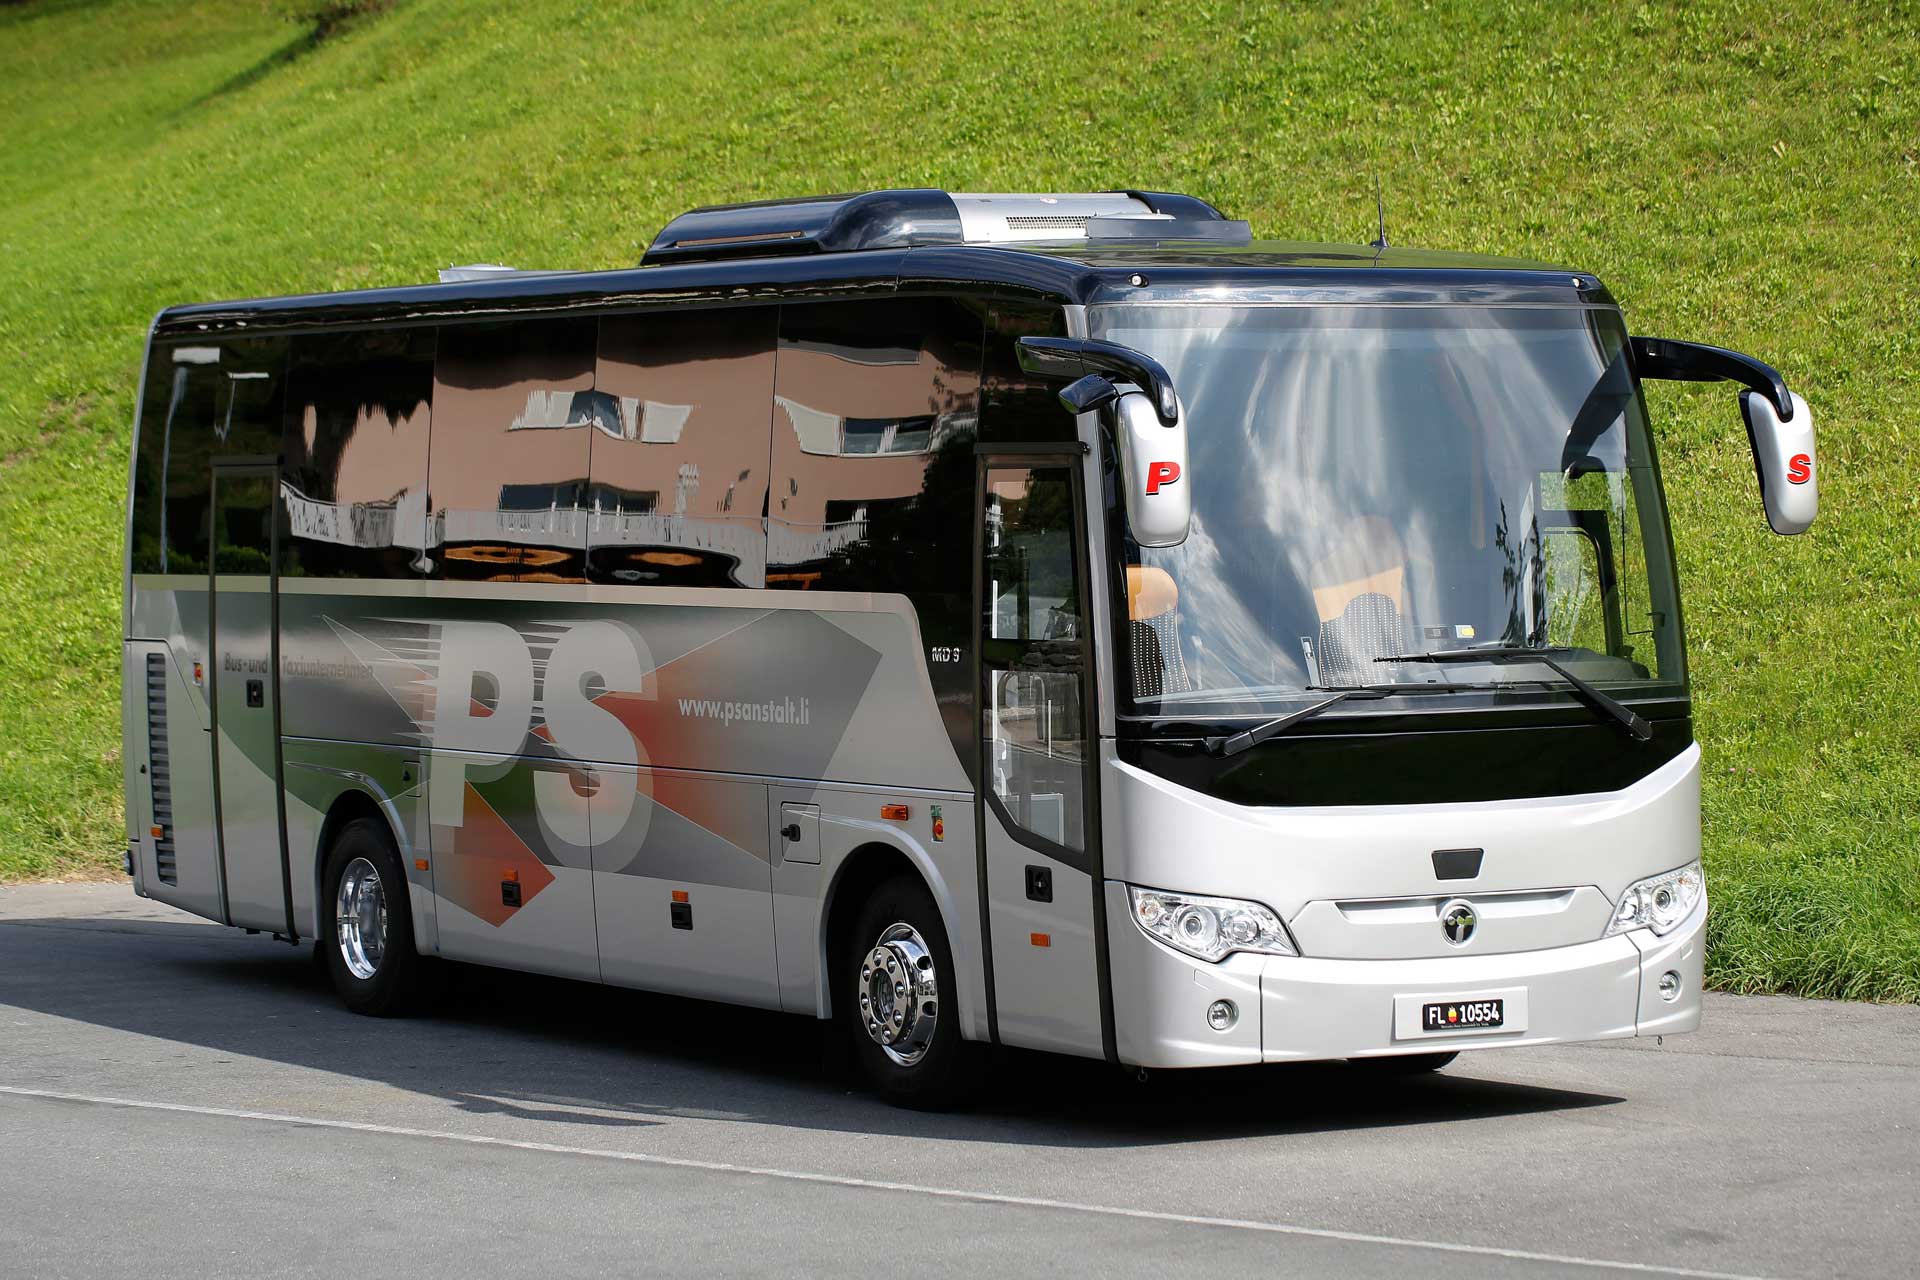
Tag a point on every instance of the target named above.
point(1040, 939)
point(896, 812)
point(419, 864)
point(511, 876)
point(159, 833)
point(679, 895)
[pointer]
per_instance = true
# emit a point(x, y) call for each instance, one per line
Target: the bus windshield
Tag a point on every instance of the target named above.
point(1375, 481)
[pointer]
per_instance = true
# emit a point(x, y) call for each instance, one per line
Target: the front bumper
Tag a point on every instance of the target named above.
point(1302, 1008)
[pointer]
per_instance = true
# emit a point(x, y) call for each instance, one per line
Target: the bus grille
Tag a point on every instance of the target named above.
point(160, 768)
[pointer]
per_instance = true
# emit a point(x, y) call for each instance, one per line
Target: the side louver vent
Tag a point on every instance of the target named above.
point(160, 767)
point(1046, 222)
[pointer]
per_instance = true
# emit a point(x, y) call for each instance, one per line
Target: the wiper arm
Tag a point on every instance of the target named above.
point(1234, 744)
point(1635, 723)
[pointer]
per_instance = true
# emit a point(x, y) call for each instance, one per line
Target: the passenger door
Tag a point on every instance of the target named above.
point(1039, 839)
point(243, 693)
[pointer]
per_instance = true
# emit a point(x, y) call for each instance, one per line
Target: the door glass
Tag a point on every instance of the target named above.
point(1033, 653)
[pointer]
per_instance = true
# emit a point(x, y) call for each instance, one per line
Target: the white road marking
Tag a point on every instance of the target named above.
point(872, 1184)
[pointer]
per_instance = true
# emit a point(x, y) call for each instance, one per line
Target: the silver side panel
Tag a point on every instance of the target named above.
point(1045, 963)
point(849, 819)
point(194, 884)
point(682, 885)
point(602, 750)
point(317, 775)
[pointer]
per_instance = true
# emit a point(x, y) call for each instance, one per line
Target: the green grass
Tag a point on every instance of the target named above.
point(1741, 173)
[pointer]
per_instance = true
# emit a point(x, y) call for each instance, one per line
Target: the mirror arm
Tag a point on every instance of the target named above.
point(1673, 361)
point(1071, 358)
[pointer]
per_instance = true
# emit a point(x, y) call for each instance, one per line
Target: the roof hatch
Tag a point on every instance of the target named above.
point(922, 216)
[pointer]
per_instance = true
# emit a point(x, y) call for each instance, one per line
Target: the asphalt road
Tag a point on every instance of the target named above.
point(178, 1099)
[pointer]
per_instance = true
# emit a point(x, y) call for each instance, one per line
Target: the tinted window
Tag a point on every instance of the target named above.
point(514, 407)
point(203, 400)
point(1019, 406)
point(355, 456)
point(678, 487)
point(873, 430)
point(873, 474)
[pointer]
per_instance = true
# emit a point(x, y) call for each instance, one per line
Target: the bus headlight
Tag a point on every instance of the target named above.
point(1210, 928)
point(1659, 902)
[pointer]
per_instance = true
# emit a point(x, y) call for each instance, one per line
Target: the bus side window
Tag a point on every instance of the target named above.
point(1019, 406)
point(514, 407)
point(355, 453)
point(204, 401)
point(874, 419)
point(873, 428)
point(678, 474)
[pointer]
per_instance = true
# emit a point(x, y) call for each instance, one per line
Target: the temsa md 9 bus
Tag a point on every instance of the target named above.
point(1055, 621)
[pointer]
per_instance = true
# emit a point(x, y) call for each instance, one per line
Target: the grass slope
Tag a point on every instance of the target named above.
point(1738, 172)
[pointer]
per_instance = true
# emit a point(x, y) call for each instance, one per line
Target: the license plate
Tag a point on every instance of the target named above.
point(1463, 1015)
point(1423, 1015)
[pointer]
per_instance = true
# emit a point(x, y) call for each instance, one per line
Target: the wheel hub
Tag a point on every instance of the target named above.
point(899, 992)
point(361, 916)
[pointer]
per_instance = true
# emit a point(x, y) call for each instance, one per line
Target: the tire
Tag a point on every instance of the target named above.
point(925, 1070)
point(1405, 1064)
point(377, 971)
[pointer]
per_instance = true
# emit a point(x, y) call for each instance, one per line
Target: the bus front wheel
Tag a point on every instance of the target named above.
point(366, 927)
point(895, 997)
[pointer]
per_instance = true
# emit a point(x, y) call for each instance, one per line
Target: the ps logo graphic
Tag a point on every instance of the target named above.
point(1159, 473)
point(469, 736)
point(1457, 921)
point(1799, 469)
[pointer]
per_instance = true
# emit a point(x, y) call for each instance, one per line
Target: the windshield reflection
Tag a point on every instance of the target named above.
point(1379, 481)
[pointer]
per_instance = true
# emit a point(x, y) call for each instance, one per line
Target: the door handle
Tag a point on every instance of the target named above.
point(791, 833)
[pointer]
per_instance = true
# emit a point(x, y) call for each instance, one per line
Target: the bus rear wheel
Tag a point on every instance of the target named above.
point(366, 926)
point(895, 994)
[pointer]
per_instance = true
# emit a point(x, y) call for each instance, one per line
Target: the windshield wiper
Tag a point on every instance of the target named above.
point(1233, 744)
point(1635, 723)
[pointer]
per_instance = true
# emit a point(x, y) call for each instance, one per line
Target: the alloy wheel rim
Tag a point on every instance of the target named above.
point(898, 991)
point(360, 911)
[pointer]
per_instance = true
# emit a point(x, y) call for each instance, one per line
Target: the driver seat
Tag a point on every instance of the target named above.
point(1153, 632)
point(1360, 595)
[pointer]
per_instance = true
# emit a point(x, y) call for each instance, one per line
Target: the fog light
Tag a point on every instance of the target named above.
point(1670, 985)
point(1221, 1015)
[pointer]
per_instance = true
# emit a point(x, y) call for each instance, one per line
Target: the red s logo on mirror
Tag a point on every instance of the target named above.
point(1799, 469)
point(1159, 473)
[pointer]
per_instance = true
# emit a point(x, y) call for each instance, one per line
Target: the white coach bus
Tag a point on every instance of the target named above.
point(1056, 621)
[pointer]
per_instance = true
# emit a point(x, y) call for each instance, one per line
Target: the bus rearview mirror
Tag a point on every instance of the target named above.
point(1783, 459)
point(1779, 424)
point(1153, 470)
point(1084, 395)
